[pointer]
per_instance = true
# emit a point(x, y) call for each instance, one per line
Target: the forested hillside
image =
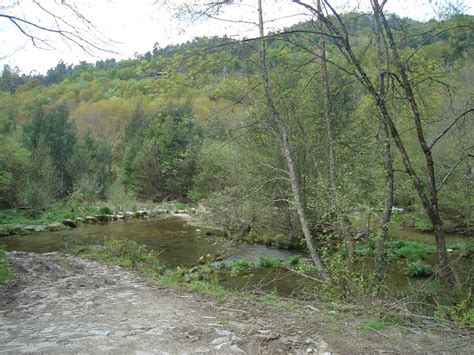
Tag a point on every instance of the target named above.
point(193, 123)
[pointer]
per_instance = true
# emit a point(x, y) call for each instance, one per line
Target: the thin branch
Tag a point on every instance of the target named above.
point(441, 135)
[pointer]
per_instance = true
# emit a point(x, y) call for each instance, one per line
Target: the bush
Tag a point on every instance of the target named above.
point(419, 270)
point(295, 260)
point(105, 210)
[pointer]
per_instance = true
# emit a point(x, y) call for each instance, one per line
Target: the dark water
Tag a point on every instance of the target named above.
point(181, 245)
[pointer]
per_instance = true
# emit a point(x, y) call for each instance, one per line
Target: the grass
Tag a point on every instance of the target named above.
point(4, 266)
point(11, 218)
point(373, 324)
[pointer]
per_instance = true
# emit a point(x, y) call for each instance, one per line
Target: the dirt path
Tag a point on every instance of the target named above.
point(63, 304)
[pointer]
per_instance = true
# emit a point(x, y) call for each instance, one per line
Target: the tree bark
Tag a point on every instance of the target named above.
point(382, 232)
point(316, 257)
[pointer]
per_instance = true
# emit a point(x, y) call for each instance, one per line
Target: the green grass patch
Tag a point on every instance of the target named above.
point(374, 324)
point(10, 217)
point(4, 266)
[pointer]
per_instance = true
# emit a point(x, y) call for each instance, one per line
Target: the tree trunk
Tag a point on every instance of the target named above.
point(431, 202)
point(341, 221)
point(316, 257)
point(382, 232)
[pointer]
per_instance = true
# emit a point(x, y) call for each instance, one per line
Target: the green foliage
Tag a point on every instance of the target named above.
point(41, 217)
point(295, 260)
point(159, 163)
point(462, 313)
point(344, 281)
point(4, 266)
point(412, 251)
point(14, 160)
point(418, 269)
point(41, 182)
point(105, 210)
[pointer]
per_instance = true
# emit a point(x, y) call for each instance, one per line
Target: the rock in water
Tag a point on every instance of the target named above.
point(55, 226)
point(90, 219)
point(70, 223)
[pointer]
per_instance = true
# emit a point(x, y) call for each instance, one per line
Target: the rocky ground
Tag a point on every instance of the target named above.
point(62, 304)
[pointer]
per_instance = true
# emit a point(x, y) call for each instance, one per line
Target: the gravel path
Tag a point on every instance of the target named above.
point(63, 304)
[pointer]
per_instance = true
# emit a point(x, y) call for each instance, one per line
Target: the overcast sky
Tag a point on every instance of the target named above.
point(136, 26)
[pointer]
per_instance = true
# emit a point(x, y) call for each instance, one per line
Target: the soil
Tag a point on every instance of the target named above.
point(63, 304)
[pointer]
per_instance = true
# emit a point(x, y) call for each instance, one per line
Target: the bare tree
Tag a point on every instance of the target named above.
point(43, 23)
point(428, 193)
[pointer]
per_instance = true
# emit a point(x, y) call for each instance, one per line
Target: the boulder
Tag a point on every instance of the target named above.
point(102, 218)
point(80, 220)
point(120, 216)
point(129, 214)
point(90, 219)
point(30, 228)
point(70, 223)
point(160, 210)
point(40, 228)
point(141, 213)
point(55, 227)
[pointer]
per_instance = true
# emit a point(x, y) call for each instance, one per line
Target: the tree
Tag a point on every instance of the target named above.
point(426, 190)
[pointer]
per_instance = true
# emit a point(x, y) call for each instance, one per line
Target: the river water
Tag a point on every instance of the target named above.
point(181, 244)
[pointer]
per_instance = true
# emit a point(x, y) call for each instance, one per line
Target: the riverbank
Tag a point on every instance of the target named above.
point(61, 303)
point(63, 216)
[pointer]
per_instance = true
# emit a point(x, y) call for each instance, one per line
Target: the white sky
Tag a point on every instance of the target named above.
point(136, 25)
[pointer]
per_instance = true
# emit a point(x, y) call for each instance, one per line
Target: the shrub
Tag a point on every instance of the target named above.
point(295, 260)
point(105, 210)
point(418, 269)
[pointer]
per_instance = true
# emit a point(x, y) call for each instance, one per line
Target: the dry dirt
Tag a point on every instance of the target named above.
point(62, 304)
